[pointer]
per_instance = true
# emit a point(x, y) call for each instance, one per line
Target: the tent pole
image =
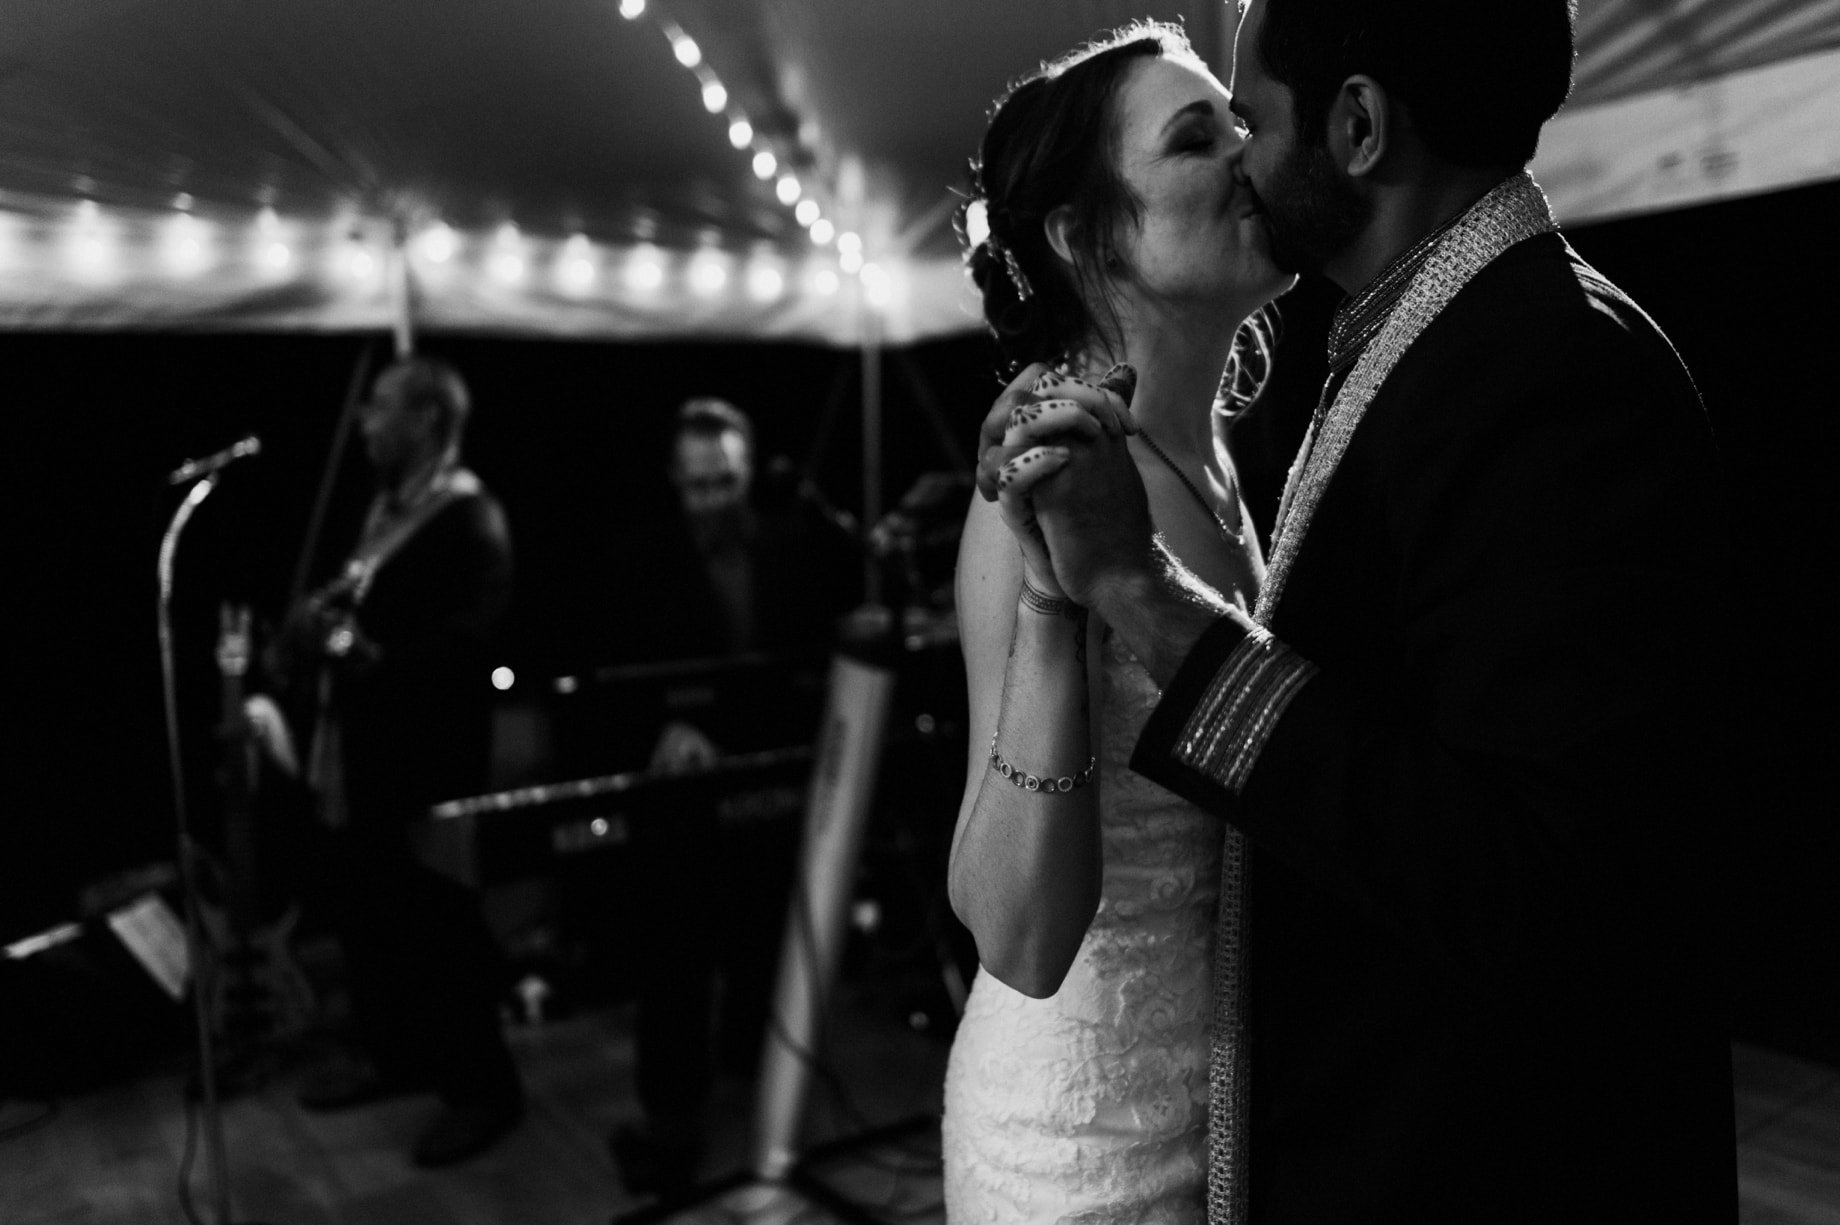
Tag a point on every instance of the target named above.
point(871, 445)
point(402, 298)
point(1222, 28)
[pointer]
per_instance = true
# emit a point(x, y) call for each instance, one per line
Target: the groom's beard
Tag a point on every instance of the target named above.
point(1311, 212)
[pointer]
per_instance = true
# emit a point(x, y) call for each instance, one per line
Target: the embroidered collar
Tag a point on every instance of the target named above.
point(1514, 211)
point(1359, 319)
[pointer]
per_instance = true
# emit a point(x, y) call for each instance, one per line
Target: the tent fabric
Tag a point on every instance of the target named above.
point(1754, 130)
point(221, 164)
point(1642, 47)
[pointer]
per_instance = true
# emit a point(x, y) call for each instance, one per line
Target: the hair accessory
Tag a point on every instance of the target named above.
point(1001, 249)
point(1029, 782)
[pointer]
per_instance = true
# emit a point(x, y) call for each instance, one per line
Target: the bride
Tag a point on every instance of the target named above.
point(1122, 248)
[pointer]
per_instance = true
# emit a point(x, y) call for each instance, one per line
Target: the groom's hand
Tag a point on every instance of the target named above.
point(1040, 406)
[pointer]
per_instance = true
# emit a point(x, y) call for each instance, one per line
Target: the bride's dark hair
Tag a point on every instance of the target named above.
point(1053, 141)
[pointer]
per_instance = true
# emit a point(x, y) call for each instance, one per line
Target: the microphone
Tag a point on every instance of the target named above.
point(193, 468)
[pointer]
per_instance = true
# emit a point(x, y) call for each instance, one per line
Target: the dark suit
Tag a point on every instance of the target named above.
point(426, 975)
point(1486, 979)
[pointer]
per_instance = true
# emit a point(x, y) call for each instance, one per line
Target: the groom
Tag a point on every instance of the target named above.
point(1465, 737)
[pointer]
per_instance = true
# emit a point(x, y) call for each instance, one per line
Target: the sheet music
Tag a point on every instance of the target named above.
point(152, 933)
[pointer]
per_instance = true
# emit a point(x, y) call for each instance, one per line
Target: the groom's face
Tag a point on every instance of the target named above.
point(1312, 211)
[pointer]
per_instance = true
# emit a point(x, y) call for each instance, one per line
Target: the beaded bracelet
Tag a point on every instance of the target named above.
point(1028, 782)
point(1048, 605)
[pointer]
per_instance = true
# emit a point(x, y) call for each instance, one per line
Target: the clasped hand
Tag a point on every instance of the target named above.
point(1052, 455)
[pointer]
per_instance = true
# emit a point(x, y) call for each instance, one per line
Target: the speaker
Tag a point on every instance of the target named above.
point(80, 1011)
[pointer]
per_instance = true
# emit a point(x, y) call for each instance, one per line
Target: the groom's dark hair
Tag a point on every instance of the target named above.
point(1479, 76)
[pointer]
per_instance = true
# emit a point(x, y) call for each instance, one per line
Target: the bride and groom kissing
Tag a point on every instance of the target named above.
point(1374, 880)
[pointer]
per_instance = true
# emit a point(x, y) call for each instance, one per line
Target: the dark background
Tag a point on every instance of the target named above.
point(570, 436)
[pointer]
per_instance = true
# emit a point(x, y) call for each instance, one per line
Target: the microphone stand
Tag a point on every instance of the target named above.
point(188, 876)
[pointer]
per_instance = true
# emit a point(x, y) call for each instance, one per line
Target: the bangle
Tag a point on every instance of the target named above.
point(1028, 782)
point(1049, 605)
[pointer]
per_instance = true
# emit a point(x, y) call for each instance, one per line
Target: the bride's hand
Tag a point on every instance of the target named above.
point(1030, 464)
point(1015, 482)
point(1086, 409)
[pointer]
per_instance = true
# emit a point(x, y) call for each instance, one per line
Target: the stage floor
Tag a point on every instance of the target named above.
point(111, 1156)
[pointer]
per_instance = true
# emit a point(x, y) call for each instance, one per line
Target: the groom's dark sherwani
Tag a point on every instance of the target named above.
point(1473, 755)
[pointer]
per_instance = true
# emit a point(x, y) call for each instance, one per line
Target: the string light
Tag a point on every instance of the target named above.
point(355, 260)
point(349, 250)
point(644, 270)
point(438, 243)
point(764, 282)
point(876, 285)
point(707, 275)
point(743, 136)
point(185, 245)
point(272, 251)
point(575, 268)
point(506, 263)
point(92, 242)
point(276, 256)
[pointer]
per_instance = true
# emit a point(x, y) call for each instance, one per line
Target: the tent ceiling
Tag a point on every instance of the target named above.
point(1635, 46)
point(562, 118)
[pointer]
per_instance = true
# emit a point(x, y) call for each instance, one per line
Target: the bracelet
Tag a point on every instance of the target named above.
point(1028, 782)
point(1049, 605)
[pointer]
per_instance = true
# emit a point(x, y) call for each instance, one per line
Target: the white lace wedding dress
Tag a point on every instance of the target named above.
point(1091, 1106)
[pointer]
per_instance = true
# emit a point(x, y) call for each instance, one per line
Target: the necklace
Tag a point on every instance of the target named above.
point(1236, 537)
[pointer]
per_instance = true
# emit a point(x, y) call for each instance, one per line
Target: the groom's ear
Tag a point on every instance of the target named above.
point(1360, 126)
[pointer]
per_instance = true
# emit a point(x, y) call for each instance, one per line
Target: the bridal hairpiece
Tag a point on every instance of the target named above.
point(979, 224)
point(1002, 250)
point(979, 227)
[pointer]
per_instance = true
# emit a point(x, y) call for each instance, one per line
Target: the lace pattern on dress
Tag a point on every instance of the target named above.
point(1091, 1106)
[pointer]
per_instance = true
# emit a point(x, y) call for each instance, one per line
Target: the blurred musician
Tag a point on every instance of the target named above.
point(744, 569)
point(385, 671)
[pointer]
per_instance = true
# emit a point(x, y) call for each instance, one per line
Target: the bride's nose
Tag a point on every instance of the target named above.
point(1237, 182)
point(1236, 162)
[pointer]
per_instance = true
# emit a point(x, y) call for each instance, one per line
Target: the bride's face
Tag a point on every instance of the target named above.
point(1199, 238)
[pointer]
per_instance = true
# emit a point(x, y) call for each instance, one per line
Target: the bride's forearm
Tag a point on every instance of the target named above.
point(1026, 868)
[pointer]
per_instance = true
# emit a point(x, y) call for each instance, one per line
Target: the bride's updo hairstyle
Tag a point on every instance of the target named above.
point(1053, 140)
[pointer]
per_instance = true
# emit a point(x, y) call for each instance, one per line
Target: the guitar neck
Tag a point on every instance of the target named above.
point(239, 769)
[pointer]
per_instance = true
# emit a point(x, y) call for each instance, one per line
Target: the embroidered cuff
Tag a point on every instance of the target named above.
point(1236, 715)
